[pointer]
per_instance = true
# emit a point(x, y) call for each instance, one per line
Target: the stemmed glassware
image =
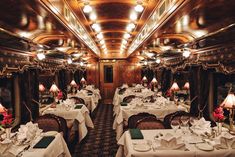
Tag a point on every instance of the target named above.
point(175, 125)
point(184, 123)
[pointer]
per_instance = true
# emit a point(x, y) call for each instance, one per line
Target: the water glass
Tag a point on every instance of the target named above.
point(175, 125)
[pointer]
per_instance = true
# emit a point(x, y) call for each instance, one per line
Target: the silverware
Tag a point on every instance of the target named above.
point(21, 152)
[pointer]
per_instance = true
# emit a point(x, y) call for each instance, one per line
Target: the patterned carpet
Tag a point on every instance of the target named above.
point(100, 141)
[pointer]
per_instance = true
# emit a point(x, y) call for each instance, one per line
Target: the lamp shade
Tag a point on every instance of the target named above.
point(144, 78)
point(41, 88)
point(174, 87)
point(54, 88)
point(73, 83)
point(2, 108)
point(186, 86)
point(154, 80)
point(229, 101)
point(83, 79)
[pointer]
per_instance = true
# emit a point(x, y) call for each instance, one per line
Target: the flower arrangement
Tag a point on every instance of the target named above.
point(60, 95)
point(169, 93)
point(218, 114)
point(7, 120)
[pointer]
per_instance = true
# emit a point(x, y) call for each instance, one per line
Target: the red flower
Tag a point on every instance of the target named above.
point(218, 114)
point(169, 93)
point(60, 95)
point(7, 120)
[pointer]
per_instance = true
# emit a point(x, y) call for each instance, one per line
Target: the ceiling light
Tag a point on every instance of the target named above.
point(139, 8)
point(94, 25)
point(69, 61)
point(124, 42)
point(102, 42)
point(158, 61)
point(186, 53)
point(93, 16)
point(103, 46)
point(130, 26)
point(145, 63)
point(81, 63)
point(100, 36)
point(126, 35)
point(41, 56)
point(87, 8)
point(133, 16)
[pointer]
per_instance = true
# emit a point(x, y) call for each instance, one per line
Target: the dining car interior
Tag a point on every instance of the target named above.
point(117, 78)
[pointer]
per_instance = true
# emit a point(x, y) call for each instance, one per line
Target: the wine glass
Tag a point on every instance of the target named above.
point(184, 123)
point(175, 125)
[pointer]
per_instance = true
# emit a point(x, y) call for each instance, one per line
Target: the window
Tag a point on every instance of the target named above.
point(108, 74)
point(7, 94)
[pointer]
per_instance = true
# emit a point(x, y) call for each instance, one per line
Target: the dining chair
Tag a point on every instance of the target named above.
point(132, 120)
point(175, 116)
point(128, 99)
point(78, 100)
point(149, 123)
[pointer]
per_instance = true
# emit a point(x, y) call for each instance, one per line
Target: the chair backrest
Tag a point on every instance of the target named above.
point(150, 123)
point(176, 116)
point(121, 91)
point(132, 120)
point(128, 99)
point(78, 100)
point(48, 122)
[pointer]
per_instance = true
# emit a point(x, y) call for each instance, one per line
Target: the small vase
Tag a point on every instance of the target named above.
point(219, 127)
point(8, 133)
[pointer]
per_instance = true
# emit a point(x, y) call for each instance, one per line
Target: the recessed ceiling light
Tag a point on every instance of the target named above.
point(41, 56)
point(87, 8)
point(186, 53)
point(101, 41)
point(127, 35)
point(145, 63)
point(124, 42)
point(103, 46)
point(139, 8)
point(100, 36)
point(81, 63)
point(130, 26)
point(93, 16)
point(94, 25)
point(158, 61)
point(133, 16)
point(69, 61)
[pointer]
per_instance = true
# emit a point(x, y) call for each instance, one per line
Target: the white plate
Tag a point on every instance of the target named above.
point(50, 133)
point(204, 146)
point(6, 141)
point(141, 147)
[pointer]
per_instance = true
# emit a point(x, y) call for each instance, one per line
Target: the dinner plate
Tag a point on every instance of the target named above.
point(204, 146)
point(6, 141)
point(142, 147)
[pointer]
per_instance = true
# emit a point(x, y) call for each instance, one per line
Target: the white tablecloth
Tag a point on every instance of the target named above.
point(57, 148)
point(80, 115)
point(126, 148)
point(91, 101)
point(124, 113)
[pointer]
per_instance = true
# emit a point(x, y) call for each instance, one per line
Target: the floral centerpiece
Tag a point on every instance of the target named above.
point(218, 115)
point(6, 123)
point(60, 95)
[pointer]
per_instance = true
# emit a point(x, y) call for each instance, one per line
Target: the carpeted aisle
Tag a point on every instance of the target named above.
point(100, 141)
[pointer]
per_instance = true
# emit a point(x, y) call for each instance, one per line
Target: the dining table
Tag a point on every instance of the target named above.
point(160, 108)
point(91, 99)
point(77, 114)
point(48, 144)
point(168, 143)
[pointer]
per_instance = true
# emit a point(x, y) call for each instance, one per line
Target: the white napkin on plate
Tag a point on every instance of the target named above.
point(201, 126)
point(170, 142)
point(225, 141)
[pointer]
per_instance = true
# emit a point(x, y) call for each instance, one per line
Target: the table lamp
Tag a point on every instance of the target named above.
point(73, 85)
point(2, 108)
point(154, 83)
point(83, 82)
point(174, 88)
point(144, 81)
point(54, 90)
point(41, 90)
point(229, 104)
point(186, 86)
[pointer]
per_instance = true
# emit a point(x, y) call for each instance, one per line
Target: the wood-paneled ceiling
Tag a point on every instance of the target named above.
point(113, 17)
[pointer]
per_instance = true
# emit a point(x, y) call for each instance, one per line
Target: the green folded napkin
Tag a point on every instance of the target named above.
point(136, 134)
point(123, 103)
point(44, 142)
point(78, 106)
